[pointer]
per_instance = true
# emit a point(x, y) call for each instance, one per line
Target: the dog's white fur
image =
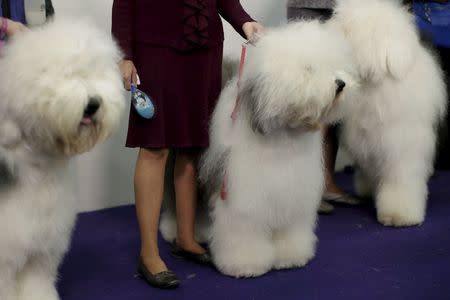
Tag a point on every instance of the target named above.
point(391, 121)
point(48, 76)
point(271, 155)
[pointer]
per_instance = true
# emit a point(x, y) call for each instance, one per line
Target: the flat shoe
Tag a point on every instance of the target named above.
point(163, 280)
point(200, 258)
point(341, 198)
point(325, 208)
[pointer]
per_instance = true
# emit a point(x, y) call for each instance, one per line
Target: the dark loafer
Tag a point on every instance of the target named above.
point(325, 208)
point(202, 258)
point(162, 280)
point(341, 199)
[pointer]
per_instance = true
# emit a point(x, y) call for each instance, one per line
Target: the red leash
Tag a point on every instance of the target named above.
point(223, 189)
point(241, 69)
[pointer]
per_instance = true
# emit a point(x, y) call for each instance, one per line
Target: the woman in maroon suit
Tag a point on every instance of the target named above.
point(176, 47)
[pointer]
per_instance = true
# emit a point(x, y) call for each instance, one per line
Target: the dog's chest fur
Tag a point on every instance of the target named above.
point(36, 212)
point(277, 179)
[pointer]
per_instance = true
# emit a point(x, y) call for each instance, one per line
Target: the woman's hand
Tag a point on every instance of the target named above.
point(129, 73)
point(14, 27)
point(251, 29)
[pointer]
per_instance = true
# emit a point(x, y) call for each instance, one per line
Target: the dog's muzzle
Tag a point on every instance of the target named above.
point(340, 85)
point(90, 110)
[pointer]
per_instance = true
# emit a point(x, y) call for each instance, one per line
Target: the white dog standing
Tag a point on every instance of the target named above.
point(391, 121)
point(60, 94)
point(271, 155)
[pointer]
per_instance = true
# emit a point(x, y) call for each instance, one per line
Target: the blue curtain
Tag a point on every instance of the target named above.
point(435, 13)
point(17, 10)
point(434, 19)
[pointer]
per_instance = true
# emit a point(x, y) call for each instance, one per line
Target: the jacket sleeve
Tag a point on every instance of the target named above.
point(123, 14)
point(233, 13)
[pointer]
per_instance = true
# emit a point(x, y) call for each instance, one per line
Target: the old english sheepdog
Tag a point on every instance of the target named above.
point(293, 81)
point(391, 120)
point(60, 94)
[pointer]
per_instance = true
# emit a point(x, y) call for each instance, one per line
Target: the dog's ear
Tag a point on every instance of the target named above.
point(399, 56)
point(301, 120)
point(250, 105)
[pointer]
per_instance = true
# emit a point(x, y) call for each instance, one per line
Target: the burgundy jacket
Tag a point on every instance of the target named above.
point(181, 24)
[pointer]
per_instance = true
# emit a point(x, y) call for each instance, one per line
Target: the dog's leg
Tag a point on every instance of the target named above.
point(240, 246)
point(362, 185)
point(401, 200)
point(10, 137)
point(37, 279)
point(8, 283)
point(295, 245)
point(168, 225)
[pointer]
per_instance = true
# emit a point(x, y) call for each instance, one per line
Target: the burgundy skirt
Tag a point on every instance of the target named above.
point(184, 87)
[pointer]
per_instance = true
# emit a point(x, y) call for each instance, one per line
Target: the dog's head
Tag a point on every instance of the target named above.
point(295, 76)
point(62, 85)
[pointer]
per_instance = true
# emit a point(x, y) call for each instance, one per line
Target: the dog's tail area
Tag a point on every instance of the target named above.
point(383, 34)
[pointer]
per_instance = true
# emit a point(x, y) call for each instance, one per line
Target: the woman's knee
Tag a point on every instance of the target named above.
point(153, 154)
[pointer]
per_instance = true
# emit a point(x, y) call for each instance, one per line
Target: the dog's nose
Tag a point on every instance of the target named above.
point(92, 107)
point(340, 85)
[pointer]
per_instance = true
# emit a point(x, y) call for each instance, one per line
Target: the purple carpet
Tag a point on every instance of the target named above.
point(357, 258)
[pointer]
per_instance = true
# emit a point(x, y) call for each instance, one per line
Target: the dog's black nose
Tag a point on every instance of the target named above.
point(340, 85)
point(92, 107)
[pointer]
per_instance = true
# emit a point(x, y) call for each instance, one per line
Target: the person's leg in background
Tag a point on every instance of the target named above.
point(333, 193)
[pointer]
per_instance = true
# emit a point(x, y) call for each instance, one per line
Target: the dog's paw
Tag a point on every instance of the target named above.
point(246, 269)
point(168, 227)
point(399, 208)
point(294, 251)
point(294, 261)
point(251, 259)
point(33, 291)
point(399, 219)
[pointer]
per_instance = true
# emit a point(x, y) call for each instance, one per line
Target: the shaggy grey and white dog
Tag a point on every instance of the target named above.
point(271, 155)
point(60, 94)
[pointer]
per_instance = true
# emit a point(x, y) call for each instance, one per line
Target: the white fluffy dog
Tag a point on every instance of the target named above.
point(271, 155)
point(60, 94)
point(391, 121)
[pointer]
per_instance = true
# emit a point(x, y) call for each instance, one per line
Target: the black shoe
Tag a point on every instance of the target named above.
point(162, 280)
point(203, 258)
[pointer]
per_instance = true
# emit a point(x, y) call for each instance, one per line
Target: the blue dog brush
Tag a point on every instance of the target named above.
point(142, 103)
